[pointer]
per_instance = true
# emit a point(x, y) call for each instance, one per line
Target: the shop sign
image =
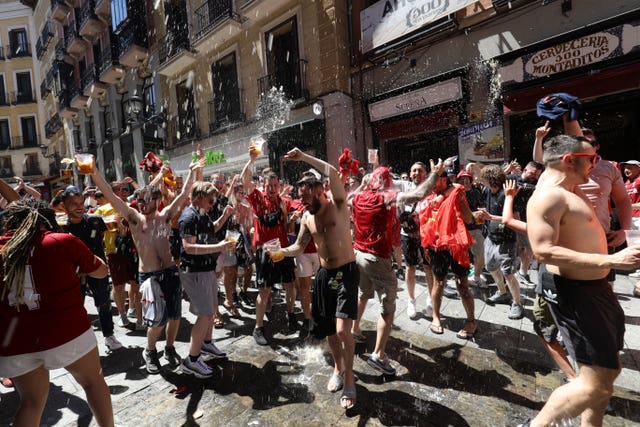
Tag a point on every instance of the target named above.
point(573, 54)
point(388, 20)
point(426, 97)
point(212, 157)
point(481, 142)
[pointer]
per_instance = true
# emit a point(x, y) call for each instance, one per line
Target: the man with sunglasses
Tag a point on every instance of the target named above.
point(565, 235)
point(150, 230)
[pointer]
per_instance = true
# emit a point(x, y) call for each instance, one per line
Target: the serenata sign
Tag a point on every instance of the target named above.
point(581, 52)
point(388, 20)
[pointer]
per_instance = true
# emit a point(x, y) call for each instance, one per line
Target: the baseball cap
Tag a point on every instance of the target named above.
point(631, 162)
point(71, 190)
point(463, 174)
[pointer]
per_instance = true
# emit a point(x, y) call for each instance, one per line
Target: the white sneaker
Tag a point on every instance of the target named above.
point(198, 369)
point(112, 343)
point(411, 309)
point(123, 322)
point(428, 312)
point(478, 281)
point(635, 274)
point(131, 312)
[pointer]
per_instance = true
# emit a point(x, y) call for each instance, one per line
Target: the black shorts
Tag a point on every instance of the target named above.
point(335, 295)
point(175, 243)
point(268, 273)
point(169, 280)
point(442, 261)
point(589, 318)
point(412, 250)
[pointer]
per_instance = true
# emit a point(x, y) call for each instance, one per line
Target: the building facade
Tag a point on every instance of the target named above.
point(233, 71)
point(21, 119)
point(438, 78)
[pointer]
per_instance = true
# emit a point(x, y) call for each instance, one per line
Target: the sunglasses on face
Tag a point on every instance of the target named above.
point(593, 157)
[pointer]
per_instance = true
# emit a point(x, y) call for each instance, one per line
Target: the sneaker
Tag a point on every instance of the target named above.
point(449, 292)
point(140, 326)
point(428, 312)
point(293, 322)
point(499, 298)
point(172, 356)
point(123, 322)
point(131, 313)
point(400, 274)
point(523, 278)
point(635, 274)
point(198, 369)
point(152, 362)
point(479, 281)
point(258, 335)
point(112, 343)
point(210, 349)
point(411, 309)
point(381, 365)
point(517, 312)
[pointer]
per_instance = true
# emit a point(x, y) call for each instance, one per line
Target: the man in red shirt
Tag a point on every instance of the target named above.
point(374, 211)
point(269, 221)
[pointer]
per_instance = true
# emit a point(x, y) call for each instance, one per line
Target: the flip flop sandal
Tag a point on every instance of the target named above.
point(335, 382)
point(218, 322)
point(436, 329)
point(348, 393)
point(359, 338)
point(467, 335)
point(231, 309)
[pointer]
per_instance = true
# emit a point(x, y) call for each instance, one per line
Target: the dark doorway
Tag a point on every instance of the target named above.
point(404, 151)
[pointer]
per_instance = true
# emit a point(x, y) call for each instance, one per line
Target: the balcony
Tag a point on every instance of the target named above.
point(103, 9)
point(109, 69)
point(215, 23)
point(221, 122)
point(24, 97)
point(90, 84)
point(73, 43)
point(46, 85)
point(294, 85)
point(53, 125)
point(78, 99)
point(180, 133)
point(59, 10)
point(19, 142)
point(18, 50)
point(90, 26)
point(64, 105)
point(132, 41)
point(175, 53)
point(48, 31)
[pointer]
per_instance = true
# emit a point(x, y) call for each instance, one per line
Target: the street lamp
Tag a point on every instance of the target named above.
point(133, 106)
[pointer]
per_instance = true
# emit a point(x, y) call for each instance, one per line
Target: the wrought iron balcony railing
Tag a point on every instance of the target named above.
point(294, 85)
point(210, 14)
point(18, 50)
point(172, 44)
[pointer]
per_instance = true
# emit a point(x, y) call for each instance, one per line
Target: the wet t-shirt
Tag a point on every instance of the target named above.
point(192, 223)
point(268, 218)
point(373, 217)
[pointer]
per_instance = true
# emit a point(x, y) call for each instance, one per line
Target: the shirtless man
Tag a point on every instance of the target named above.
point(326, 220)
point(566, 235)
point(150, 229)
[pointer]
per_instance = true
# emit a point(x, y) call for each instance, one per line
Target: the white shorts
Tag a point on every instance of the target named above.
point(54, 358)
point(635, 223)
point(226, 259)
point(307, 264)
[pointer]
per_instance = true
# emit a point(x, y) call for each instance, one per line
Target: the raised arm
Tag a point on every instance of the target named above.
point(27, 188)
point(246, 171)
point(425, 187)
point(123, 208)
point(541, 133)
point(510, 191)
point(177, 203)
point(335, 182)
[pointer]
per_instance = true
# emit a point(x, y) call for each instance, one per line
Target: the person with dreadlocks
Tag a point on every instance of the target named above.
point(42, 313)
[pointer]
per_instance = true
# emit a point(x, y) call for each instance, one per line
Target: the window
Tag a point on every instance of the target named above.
point(186, 111)
point(3, 92)
point(18, 44)
point(283, 61)
point(5, 135)
point(226, 94)
point(118, 12)
point(28, 127)
point(25, 93)
point(5, 167)
point(31, 165)
point(149, 95)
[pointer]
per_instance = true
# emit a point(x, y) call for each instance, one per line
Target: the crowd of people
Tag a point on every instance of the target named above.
point(333, 241)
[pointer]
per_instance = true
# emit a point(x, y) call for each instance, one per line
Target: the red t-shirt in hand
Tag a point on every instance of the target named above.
point(633, 189)
point(296, 205)
point(262, 206)
point(53, 313)
point(373, 216)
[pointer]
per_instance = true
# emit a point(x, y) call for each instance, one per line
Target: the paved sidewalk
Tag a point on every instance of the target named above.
point(500, 378)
